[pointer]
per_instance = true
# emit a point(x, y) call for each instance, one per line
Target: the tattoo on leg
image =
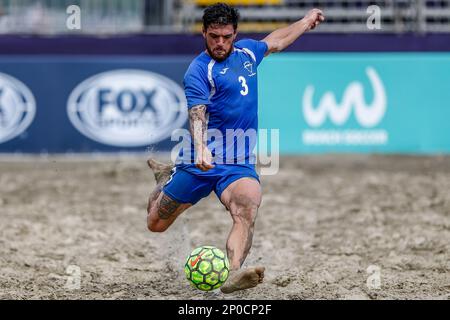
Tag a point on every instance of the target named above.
point(167, 207)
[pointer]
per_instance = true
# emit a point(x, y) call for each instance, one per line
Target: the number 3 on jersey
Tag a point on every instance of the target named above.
point(244, 91)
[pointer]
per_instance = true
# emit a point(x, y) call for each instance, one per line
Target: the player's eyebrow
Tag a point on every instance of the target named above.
point(218, 35)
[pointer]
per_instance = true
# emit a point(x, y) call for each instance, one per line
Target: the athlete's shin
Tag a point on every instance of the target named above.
point(162, 174)
point(241, 236)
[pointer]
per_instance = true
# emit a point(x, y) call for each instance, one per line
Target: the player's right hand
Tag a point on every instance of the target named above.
point(313, 18)
point(203, 159)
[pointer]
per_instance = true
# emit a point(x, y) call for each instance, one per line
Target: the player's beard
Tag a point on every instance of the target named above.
point(218, 59)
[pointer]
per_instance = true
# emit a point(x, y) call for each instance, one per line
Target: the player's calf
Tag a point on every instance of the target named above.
point(241, 236)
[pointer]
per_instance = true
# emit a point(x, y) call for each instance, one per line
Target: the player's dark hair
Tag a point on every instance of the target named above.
point(222, 14)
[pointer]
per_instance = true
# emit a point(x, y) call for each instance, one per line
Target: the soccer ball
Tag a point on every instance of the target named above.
point(207, 268)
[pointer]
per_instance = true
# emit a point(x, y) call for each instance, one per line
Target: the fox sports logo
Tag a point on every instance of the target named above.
point(17, 107)
point(127, 108)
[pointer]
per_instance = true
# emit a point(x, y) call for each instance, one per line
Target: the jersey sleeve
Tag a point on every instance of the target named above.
point(196, 86)
point(258, 48)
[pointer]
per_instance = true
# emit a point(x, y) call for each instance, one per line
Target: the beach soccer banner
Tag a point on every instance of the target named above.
point(319, 102)
point(357, 102)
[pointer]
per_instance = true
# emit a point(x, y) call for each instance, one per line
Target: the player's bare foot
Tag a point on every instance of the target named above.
point(160, 170)
point(243, 279)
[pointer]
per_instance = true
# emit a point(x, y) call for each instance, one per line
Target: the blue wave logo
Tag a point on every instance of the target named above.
point(17, 107)
point(127, 108)
point(353, 98)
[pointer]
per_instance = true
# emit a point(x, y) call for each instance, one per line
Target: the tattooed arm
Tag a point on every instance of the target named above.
point(198, 127)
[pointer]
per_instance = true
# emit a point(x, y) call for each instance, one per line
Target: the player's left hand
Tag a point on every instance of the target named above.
point(313, 18)
point(204, 159)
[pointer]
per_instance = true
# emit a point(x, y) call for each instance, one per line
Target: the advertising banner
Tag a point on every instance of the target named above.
point(320, 102)
point(84, 104)
point(357, 102)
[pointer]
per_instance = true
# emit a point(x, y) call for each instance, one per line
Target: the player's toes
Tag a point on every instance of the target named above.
point(150, 163)
point(159, 167)
point(153, 164)
point(260, 272)
point(251, 279)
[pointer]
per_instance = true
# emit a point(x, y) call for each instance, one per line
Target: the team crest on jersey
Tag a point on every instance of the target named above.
point(249, 67)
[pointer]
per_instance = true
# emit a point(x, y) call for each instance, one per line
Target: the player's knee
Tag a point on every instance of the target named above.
point(248, 202)
point(156, 226)
point(250, 213)
point(245, 209)
point(154, 223)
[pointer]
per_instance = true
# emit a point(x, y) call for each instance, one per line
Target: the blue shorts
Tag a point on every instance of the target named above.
point(188, 184)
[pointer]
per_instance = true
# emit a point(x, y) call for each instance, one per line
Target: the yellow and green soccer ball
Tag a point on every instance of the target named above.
point(207, 268)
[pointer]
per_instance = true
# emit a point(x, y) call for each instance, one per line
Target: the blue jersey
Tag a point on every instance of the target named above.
point(229, 89)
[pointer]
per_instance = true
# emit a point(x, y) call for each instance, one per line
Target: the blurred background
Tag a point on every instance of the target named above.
point(125, 16)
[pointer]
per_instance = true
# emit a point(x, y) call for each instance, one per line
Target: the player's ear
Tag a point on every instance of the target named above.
point(204, 32)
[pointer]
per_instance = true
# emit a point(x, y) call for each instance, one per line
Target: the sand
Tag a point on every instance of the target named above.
point(329, 227)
